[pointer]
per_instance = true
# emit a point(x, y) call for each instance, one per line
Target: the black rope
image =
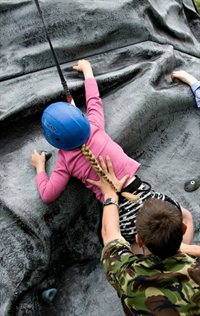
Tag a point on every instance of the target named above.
point(62, 79)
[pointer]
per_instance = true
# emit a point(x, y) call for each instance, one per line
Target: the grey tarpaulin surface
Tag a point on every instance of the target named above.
point(133, 47)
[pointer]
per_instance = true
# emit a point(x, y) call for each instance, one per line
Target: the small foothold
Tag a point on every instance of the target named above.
point(176, 80)
point(49, 295)
point(192, 185)
point(48, 154)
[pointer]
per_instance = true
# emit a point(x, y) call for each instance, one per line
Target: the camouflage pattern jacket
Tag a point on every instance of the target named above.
point(148, 285)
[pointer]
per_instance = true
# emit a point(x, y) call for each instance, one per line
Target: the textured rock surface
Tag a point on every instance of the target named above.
point(133, 47)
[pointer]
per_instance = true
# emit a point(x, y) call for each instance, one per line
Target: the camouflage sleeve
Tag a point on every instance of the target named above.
point(117, 257)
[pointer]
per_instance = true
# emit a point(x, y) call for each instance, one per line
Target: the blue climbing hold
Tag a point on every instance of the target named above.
point(49, 295)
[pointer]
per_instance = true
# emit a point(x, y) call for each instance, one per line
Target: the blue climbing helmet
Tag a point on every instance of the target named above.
point(65, 126)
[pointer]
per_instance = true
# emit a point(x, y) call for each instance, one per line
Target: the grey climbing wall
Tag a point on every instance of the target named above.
point(133, 47)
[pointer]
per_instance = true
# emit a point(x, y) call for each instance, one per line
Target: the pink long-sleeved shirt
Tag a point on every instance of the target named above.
point(74, 163)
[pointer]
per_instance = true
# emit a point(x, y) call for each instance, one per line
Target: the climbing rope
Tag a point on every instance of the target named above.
point(62, 79)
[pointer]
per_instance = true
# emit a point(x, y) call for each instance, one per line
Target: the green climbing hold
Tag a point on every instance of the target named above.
point(48, 295)
point(192, 185)
point(197, 5)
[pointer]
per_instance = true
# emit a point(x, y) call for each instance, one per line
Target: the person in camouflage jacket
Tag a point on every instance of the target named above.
point(161, 280)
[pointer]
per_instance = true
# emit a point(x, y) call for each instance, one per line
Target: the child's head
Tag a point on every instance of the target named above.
point(159, 225)
point(65, 126)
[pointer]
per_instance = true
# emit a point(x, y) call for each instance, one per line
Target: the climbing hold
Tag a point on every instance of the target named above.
point(48, 154)
point(192, 185)
point(49, 295)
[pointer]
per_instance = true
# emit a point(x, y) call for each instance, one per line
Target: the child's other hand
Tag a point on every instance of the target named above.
point(82, 65)
point(38, 161)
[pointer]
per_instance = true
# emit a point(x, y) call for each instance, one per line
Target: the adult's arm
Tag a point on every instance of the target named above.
point(110, 220)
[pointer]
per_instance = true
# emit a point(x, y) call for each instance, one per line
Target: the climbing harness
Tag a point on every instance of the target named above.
point(62, 79)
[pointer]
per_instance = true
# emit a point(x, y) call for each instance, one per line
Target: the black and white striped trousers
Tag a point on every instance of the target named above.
point(128, 209)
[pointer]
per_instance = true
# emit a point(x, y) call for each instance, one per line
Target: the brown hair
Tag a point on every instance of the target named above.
point(92, 159)
point(159, 224)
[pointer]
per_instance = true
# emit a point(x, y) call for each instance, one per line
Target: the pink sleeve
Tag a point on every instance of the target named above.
point(50, 188)
point(94, 103)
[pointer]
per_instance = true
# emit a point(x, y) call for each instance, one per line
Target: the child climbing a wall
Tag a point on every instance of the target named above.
point(80, 139)
point(189, 80)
